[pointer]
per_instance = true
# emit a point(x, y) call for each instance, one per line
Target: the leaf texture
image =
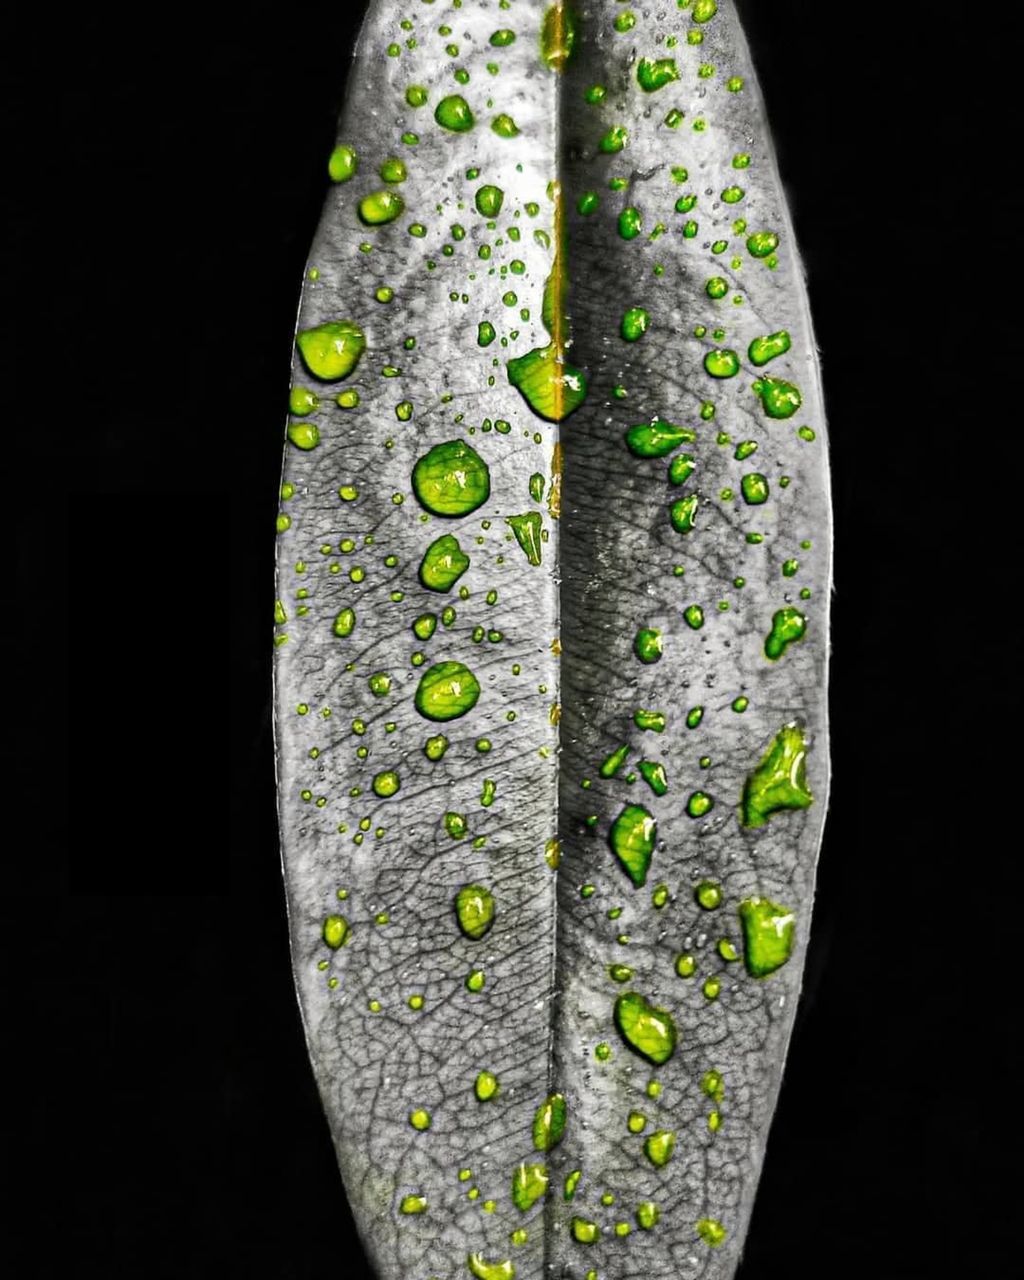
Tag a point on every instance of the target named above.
point(552, 640)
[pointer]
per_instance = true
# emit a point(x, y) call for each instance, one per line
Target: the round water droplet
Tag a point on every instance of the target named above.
point(474, 909)
point(451, 480)
point(447, 691)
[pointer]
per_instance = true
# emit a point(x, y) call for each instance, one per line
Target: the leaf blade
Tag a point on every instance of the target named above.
point(545, 997)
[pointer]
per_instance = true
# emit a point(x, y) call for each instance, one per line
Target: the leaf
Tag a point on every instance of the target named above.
point(551, 640)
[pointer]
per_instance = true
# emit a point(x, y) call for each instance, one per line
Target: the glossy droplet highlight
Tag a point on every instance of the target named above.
point(484, 1270)
point(779, 399)
point(659, 1147)
point(444, 563)
point(453, 113)
point(634, 324)
point(447, 691)
point(381, 207)
point(335, 932)
point(761, 350)
point(529, 1182)
point(788, 626)
point(331, 351)
point(549, 1122)
point(527, 529)
point(451, 479)
point(779, 781)
point(632, 838)
point(722, 363)
point(342, 164)
point(489, 200)
point(658, 438)
point(474, 909)
point(768, 935)
point(647, 1030)
point(655, 73)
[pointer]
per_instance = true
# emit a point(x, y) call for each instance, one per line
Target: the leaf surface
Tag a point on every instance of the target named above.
point(552, 640)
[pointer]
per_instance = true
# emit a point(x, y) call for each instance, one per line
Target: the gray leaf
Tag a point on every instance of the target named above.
point(552, 640)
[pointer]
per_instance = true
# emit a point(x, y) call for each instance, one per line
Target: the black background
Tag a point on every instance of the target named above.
point(164, 1121)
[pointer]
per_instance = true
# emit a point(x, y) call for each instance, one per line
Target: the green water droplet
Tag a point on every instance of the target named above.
point(453, 113)
point(484, 1270)
point(658, 438)
point(716, 287)
point(654, 775)
point(393, 170)
point(434, 748)
point(768, 935)
point(660, 1147)
point(722, 363)
point(529, 1183)
point(655, 73)
point(634, 324)
point(788, 626)
point(699, 804)
point(584, 1231)
point(386, 784)
point(304, 436)
point(455, 824)
point(331, 351)
point(647, 644)
point(335, 932)
point(650, 1031)
point(488, 793)
point(693, 616)
point(549, 1122)
point(632, 838)
point(474, 907)
point(681, 468)
point(503, 38)
point(762, 244)
point(527, 529)
point(416, 95)
point(557, 37)
point(711, 1232)
point(451, 479)
point(302, 401)
point(475, 980)
point(425, 626)
point(636, 1122)
point(754, 487)
point(344, 623)
point(588, 203)
point(420, 1119)
point(779, 781)
point(571, 1183)
point(504, 126)
point(620, 972)
point(761, 350)
point(380, 207)
point(683, 513)
point(708, 895)
point(551, 387)
point(485, 333)
point(489, 200)
point(413, 1204)
point(614, 140)
point(780, 399)
point(342, 164)
point(486, 1086)
point(630, 223)
point(652, 720)
point(446, 691)
point(647, 1215)
point(686, 966)
point(444, 563)
point(613, 763)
